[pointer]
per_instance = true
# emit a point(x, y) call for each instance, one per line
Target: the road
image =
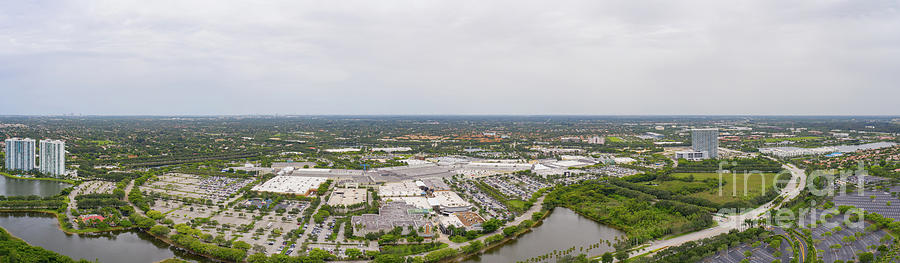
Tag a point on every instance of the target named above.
point(725, 224)
point(802, 248)
point(128, 190)
point(72, 206)
point(308, 230)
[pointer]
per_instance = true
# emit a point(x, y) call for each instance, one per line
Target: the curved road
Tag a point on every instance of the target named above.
point(802, 247)
point(725, 224)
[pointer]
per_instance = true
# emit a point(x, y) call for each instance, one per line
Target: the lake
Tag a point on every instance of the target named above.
point(20, 187)
point(561, 230)
point(40, 229)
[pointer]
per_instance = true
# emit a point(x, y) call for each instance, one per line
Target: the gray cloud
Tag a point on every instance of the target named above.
point(450, 57)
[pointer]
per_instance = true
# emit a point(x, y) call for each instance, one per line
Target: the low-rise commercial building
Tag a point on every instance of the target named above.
point(402, 188)
point(690, 155)
point(448, 202)
point(392, 215)
point(287, 184)
point(348, 196)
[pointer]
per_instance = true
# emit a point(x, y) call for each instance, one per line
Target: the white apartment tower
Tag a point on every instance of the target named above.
point(19, 154)
point(706, 141)
point(53, 157)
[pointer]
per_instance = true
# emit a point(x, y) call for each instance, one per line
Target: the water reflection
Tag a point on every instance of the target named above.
point(20, 187)
point(41, 230)
point(561, 230)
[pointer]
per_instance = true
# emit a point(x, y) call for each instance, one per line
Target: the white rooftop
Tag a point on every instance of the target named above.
point(290, 184)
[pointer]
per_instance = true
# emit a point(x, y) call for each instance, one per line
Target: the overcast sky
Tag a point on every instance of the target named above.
point(450, 57)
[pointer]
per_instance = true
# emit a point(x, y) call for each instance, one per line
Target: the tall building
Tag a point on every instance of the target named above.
point(53, 157)
point(19, 154)
point(706, 141)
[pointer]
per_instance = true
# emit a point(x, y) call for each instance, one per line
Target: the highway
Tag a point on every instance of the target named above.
point(725, 224)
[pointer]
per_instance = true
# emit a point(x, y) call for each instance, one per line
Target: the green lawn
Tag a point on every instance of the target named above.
point(614, 139)
point(516, 205)
point(732, 186)
point(682, 187)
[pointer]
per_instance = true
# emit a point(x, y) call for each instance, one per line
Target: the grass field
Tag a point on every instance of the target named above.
point(614, 139)
point(682, 187)
point(517, 205)
point(732, 186)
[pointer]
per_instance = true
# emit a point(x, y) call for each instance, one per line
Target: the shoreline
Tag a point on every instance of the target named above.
point(501, 243)
point(60, 227)
point(59, 222)
point(68, 181)
point(172, 243)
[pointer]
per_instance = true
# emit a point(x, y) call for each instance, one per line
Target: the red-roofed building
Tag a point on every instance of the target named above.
point(88, 218)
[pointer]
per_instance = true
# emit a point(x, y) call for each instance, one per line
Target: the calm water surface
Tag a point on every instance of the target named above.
point(559, 231)
point(40, 229)
point(19, 187)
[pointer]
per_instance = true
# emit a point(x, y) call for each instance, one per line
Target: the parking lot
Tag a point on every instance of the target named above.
point(217, 189)
point(761, 254)
point(94, 187)
point(180, 212)
point(490, 207)
point(863, 200)
point(825, 237)
point(182, 197)
point(847, 250)
point(614, 171)
point(520, 186)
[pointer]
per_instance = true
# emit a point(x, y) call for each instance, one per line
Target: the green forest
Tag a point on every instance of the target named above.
point(741, 164)
point(13, 249)
point(640, 215)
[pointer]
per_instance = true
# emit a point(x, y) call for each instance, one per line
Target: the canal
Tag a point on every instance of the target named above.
point(40, 229)
point(561, 230)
